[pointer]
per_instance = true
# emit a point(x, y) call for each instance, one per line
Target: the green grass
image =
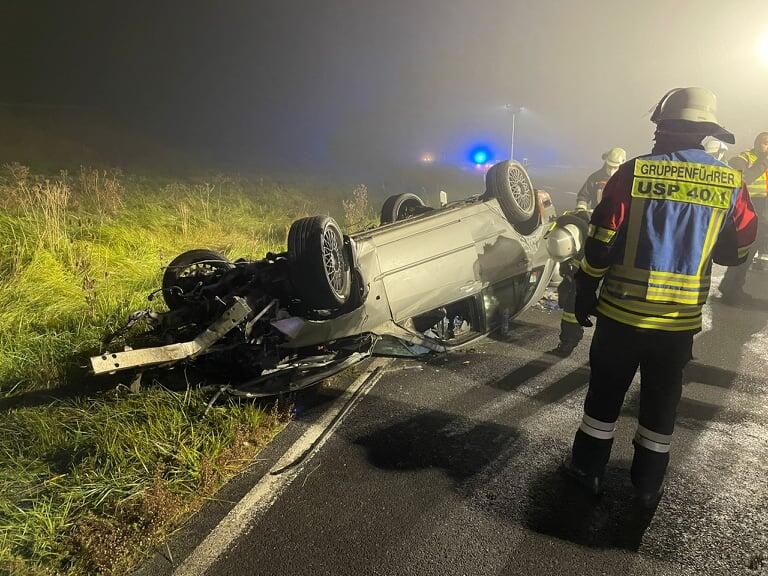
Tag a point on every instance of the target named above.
point(89, 480)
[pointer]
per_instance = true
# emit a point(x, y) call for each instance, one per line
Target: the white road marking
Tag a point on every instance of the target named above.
point(258, 500)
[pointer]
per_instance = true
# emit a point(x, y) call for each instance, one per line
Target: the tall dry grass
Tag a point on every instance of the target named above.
point(85, 483)
point(78, 253)
point(358, 213)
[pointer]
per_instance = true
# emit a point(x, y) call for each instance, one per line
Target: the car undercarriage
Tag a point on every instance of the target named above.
point(424, 282)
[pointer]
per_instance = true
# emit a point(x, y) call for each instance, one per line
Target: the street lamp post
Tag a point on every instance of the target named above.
point(513, 110)
point(512, 143)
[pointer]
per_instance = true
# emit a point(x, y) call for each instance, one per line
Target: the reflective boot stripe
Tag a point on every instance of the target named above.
point(597, 429)
point(653, 440)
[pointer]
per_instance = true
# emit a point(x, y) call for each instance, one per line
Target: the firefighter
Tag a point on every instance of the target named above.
point(754, 166)
point(590, 194)
point(565, 245)
point(663, 219)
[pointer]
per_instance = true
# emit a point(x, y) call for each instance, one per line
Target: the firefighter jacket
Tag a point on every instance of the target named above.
point(590, 194)
point(662, 221)
point(759, 187)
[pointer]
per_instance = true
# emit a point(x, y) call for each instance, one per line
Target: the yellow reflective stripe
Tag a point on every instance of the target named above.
point(569, 317)
point(628, 307)
point(662, 283)
point(639, 322)
point(591, 270)
point(688, 172)
point(634, 226)
point(758, 188)
point(658, 276)
point(656, 294)
point(715, 223)
point(653, 308)
point(677, 297)
point(672, 281)
point(604, 235)
point(652, 323)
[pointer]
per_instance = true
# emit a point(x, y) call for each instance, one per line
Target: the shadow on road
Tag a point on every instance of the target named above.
point(526, 372)
point(556, 507)
point(458, 446)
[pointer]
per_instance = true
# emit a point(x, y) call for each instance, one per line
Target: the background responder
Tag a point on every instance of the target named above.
point(663, 218)
point(754, 166)
point(566, 245)
point(590, 194)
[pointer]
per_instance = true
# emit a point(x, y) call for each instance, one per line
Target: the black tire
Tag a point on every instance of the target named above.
point(320, 271)
point(399, 207)
point(358, 295)
point(187, 270)
point(510, 184)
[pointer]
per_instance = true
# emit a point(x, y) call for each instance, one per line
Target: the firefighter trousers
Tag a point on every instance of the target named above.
point(616, 353)
point(571, 331)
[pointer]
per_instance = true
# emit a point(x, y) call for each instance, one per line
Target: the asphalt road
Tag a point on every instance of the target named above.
point(449, 467)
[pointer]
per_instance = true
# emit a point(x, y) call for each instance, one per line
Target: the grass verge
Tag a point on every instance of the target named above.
point(89, 480)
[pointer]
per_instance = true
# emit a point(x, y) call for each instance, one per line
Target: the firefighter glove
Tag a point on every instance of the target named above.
point(586, 298)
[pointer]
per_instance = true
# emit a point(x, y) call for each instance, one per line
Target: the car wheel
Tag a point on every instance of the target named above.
point(320, 272)
point(399, 207)
point(510, 184)
point(187, 270)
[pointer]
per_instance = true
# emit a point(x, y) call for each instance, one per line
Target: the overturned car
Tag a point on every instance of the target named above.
point(426, 280)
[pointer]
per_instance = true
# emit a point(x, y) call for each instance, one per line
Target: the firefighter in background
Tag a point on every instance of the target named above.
point(754, 166)
point(565, 245)
point(590, 194)
point(571, 239)
point(661, 222)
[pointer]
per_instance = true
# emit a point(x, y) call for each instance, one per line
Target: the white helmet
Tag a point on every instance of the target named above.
point(698, 105)
point(564, 242)
point(715, 148)
point(615, 157)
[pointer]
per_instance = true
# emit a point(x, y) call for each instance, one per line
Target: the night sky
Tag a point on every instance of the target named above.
point(325, 84)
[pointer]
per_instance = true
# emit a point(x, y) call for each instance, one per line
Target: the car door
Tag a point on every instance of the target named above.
point(429, 262)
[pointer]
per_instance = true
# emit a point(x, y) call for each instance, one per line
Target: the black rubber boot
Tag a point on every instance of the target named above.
point(591, 483)
point(649, 500)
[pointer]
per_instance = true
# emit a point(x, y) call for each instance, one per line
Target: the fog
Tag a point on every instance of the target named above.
point(366, 87)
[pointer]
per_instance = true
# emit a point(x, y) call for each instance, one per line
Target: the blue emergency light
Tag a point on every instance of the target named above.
point(480, 155)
